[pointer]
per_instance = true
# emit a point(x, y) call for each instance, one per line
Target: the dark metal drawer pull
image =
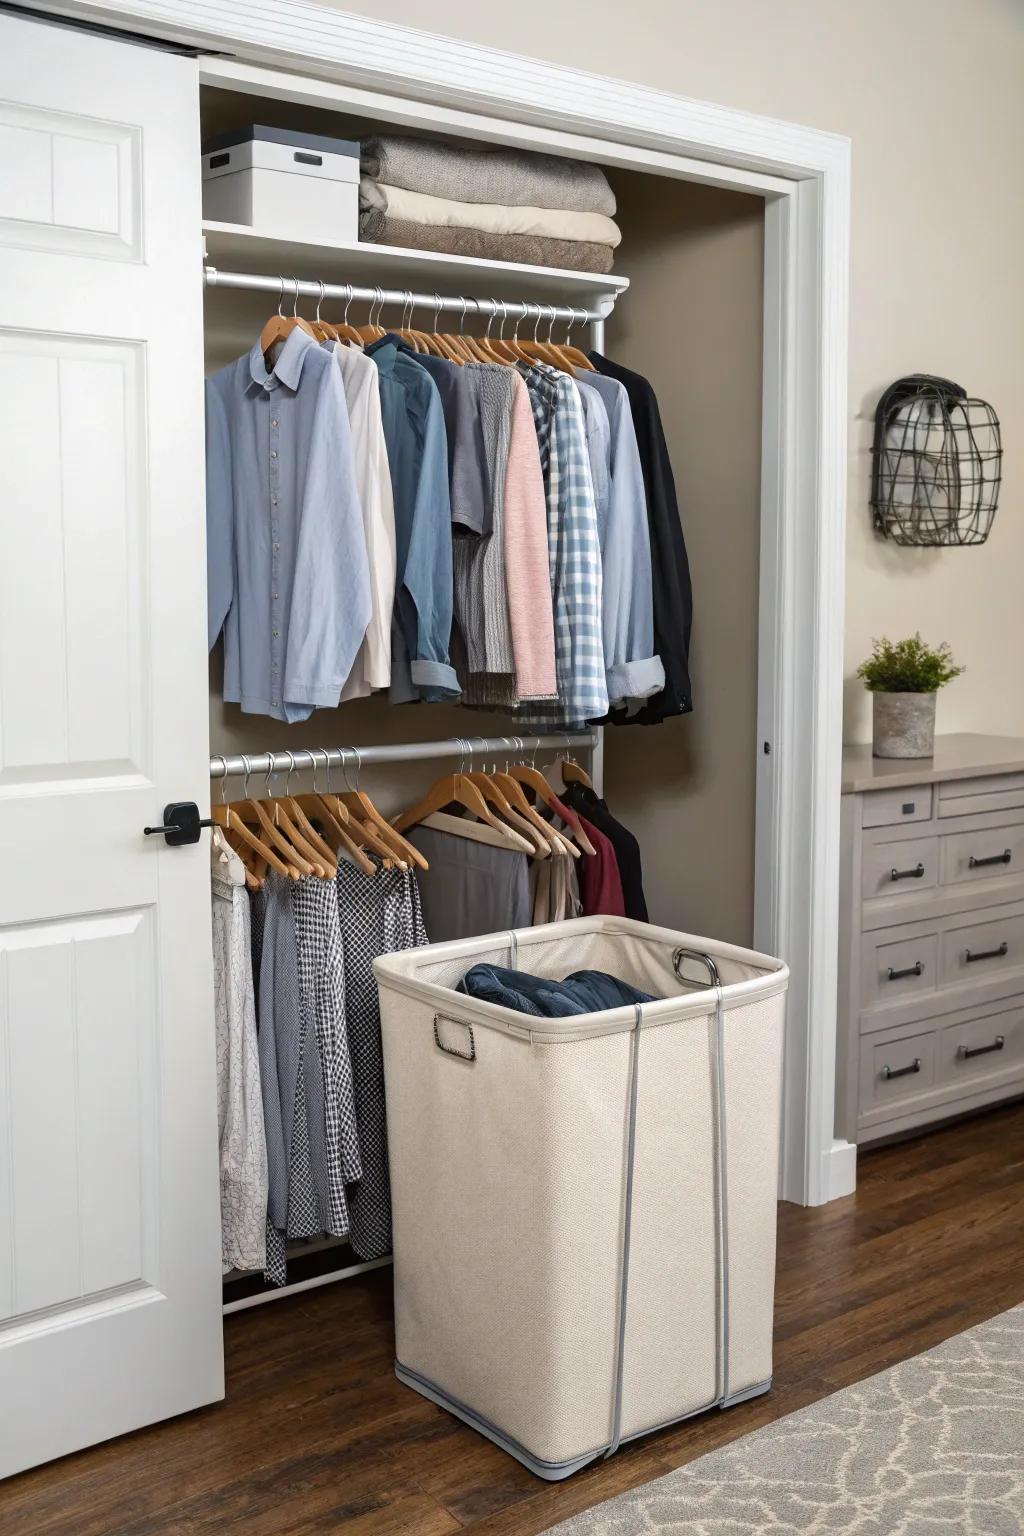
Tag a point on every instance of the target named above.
point(986, 954)
point(965, 1052)
point(890, 1072)
point(907, 874)
point(995, 858)
point(916, 969)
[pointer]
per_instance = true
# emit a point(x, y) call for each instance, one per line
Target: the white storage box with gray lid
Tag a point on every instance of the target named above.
point(584, 1208)
point(297, 186)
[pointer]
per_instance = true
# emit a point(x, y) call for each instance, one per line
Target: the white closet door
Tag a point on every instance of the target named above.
point(109, 1225)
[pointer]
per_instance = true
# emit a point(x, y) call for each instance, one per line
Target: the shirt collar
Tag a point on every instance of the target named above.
point(384, 352)
point(288, 368)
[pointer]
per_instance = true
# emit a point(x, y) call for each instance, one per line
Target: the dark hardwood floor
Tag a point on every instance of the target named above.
point(317, 1436)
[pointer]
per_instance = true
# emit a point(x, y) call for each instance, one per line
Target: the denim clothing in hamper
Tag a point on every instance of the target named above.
point(287, 570)
point(582, 992)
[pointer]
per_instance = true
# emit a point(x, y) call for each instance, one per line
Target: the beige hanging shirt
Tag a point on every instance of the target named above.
point(372, 667)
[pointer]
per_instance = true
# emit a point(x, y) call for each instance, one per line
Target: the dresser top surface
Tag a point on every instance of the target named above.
point(956, 757)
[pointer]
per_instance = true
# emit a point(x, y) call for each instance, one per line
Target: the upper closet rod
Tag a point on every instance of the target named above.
point(404, 752)
point(292, 288)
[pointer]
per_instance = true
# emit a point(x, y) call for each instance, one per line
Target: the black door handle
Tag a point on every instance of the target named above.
point(182, 824)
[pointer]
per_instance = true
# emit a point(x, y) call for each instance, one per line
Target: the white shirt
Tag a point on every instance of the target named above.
point(372, 666)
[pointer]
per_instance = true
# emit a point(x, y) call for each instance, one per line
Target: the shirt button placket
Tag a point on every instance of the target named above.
point(275, 559)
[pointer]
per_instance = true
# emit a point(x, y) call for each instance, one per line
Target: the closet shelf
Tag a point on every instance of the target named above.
point(238, 246)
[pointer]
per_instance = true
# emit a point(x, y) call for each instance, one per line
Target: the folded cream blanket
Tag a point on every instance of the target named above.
point(492, 218)
point(509, 177)
point(530, 250)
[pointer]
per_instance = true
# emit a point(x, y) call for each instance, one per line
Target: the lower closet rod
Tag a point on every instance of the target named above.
point(403, 752)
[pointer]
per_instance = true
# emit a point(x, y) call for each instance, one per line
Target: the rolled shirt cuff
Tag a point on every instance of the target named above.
point(629, 680)
point(435, 680)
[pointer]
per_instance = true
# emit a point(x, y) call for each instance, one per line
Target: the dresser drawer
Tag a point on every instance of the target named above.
point(978, 951)
point(982, 1048)
point(889, 807)
point(893, 1070)
point(993, 792)
point(989, 854)
point(894, 969)
point(900, 867)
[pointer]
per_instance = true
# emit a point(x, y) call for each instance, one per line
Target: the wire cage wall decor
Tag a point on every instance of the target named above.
point(936, 464)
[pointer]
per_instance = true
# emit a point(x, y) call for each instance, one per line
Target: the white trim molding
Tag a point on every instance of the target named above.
point(804, 176)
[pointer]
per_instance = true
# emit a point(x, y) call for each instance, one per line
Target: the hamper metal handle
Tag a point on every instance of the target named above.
point(453, 1050)
point(714, 979)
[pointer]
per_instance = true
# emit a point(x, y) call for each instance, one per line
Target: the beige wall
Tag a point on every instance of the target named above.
point(692, 324)
point(932, 96)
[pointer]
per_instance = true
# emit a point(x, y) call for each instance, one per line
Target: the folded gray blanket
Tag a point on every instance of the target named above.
point(513, 178)
point(531, 250)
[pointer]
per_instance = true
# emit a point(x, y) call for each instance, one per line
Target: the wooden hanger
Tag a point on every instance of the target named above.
point(370, 332)
point(342, 329)
point(532, 779)
point(267, 816)
point(360, 804)
point(573, 355)
point(228, 818)
point(548, 351)
point(494, 795)
point(456, 789)
point(254, 866)
point(572, 773)
point(334, 819)
point(280, 326)
point(322, 329)
point(558, 843)
point(296, 812)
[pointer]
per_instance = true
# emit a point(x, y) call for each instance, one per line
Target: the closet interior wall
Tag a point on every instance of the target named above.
point(692, 322)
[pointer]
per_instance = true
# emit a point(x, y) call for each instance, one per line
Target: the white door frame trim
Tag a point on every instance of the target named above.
point(804, 176)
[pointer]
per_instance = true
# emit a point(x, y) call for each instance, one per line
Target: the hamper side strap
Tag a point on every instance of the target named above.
point(627, 1224)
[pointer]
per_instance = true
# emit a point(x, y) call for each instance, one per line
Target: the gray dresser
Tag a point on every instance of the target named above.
point(931, 942)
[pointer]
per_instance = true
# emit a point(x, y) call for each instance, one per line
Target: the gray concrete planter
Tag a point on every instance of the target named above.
point(904, 724)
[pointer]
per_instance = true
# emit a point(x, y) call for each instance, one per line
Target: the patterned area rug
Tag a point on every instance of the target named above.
point(933, 1446)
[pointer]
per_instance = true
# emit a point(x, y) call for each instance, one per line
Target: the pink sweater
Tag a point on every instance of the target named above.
point(527, 573)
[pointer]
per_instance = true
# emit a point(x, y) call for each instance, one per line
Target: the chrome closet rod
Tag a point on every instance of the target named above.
point(304, 758)
point(301, 288)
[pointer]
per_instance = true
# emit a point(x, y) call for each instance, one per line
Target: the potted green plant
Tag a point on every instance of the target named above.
point(903, 677)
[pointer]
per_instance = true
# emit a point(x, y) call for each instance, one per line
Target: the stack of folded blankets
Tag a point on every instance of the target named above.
point(499, 204)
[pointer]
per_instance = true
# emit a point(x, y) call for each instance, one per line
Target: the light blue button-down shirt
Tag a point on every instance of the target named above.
point(288, 575)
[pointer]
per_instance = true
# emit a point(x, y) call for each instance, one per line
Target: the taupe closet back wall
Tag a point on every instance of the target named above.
point(691, 323)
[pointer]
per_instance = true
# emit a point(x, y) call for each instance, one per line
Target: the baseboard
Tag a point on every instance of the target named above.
point(838, 1171)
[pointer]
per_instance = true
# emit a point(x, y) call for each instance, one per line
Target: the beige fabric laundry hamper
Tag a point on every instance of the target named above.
point(584, 1208)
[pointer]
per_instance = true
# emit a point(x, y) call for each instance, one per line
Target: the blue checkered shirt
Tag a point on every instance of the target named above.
point(574, 550)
